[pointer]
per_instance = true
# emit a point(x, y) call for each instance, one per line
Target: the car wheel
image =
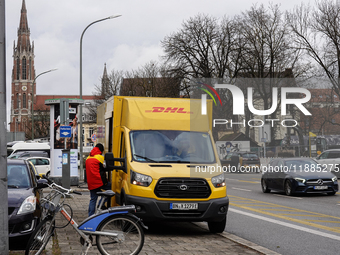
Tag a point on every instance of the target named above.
point(288, 188)
point(217, 227)
point(264, 186)
point(331, 193)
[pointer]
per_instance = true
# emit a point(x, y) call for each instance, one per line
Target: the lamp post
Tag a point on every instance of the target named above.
point(33, 98)
point(81, 90)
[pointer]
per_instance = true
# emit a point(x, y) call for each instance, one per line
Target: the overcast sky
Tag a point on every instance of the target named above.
point(123, 43)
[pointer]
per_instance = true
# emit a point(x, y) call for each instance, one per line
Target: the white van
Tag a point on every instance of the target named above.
point(14, 149)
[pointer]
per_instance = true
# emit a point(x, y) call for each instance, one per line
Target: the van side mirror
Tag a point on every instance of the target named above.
point(110, 162)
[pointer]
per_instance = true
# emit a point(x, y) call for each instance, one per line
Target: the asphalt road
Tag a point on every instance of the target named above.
point(307, 224)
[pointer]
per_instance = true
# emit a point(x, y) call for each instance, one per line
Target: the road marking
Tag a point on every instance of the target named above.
point(241, 189)
point(289, 225)
point(329, 221)
point(275, 210)
point(286, 196)
point(230, 179)
point(248, 181)
point(302, 215)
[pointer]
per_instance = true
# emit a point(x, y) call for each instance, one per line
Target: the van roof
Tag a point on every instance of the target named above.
point(29, 146)
point(140, 113)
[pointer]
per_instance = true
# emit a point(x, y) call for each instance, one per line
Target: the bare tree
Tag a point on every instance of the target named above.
point(267, 53)
point(152, 80)
point(110, 86)
point(41, 125)
point(204, 47)
point(318, 31)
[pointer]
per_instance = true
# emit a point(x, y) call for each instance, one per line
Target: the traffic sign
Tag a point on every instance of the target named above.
point(94, 137)
point(65, 131)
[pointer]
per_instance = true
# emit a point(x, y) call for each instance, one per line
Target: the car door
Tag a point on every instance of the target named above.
point(270, 174)
point(280, 175)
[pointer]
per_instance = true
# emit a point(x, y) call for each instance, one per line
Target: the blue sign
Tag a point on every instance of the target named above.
point(65, 132)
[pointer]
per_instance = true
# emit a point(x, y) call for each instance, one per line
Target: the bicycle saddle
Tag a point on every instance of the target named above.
point(106, 193)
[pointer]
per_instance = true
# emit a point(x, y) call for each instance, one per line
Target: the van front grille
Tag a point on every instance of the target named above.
point(182, 188)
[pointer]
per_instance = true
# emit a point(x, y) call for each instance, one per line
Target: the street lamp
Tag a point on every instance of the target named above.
point(81, 90)
point(33, 98)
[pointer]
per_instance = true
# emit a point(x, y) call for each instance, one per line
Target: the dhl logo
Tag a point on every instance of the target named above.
point(168, 110)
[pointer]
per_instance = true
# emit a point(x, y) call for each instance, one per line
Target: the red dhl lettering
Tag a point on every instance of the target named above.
point(168, 110)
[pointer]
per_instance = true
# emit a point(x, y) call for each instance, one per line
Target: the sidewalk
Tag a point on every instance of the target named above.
point(165, 238)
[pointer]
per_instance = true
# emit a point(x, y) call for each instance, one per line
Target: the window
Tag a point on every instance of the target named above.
point(24, 101)
point(324, 155)
point(29, 68)
point(24, 77)
point(18, 68)
point(18, 101)
point(90, 131)
point(334, 154)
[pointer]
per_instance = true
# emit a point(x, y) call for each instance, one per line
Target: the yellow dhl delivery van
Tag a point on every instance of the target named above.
point(164, 159)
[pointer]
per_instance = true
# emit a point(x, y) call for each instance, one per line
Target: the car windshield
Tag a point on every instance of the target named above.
point(249, 155)
point(169, 146)
point(17, 176)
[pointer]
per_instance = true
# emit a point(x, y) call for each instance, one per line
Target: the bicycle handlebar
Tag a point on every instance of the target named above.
point(67, 191)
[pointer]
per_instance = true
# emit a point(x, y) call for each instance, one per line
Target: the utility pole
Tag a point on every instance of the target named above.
point(3, 141)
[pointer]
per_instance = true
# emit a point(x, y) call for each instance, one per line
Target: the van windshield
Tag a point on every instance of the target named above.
point(168, 146)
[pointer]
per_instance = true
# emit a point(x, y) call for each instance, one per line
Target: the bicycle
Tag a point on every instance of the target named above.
point(117, 229)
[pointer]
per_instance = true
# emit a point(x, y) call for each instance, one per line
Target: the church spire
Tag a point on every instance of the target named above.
point(105, 82)
point(23, 31)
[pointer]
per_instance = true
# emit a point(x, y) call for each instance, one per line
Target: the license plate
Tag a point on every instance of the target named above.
point(320, 187)
point(184, 206)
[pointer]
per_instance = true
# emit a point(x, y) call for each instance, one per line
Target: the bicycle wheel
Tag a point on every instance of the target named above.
point(130, 239)
point(39, 238)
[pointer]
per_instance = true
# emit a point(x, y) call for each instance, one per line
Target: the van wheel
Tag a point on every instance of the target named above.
point(217, 227)
point(48, 174)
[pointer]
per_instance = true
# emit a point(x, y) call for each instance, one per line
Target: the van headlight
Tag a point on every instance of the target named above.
point(28, 205)
point(218, 181)
point(334, 179)
point(140, 179)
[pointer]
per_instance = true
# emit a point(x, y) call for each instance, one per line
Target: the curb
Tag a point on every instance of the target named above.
point(241, 241)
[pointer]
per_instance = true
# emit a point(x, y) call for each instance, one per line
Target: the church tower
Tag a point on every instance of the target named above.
point(23, 75)
point(105, 83)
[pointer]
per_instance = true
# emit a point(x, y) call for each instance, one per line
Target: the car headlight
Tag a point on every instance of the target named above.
point(300, 180)
point(334, 179)
point(28, 205)
point(140, 179)
point(218, 181)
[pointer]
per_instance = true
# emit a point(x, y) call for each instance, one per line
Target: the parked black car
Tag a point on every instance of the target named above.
point(298, 175)
point(242, 161)
point(24, 193)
